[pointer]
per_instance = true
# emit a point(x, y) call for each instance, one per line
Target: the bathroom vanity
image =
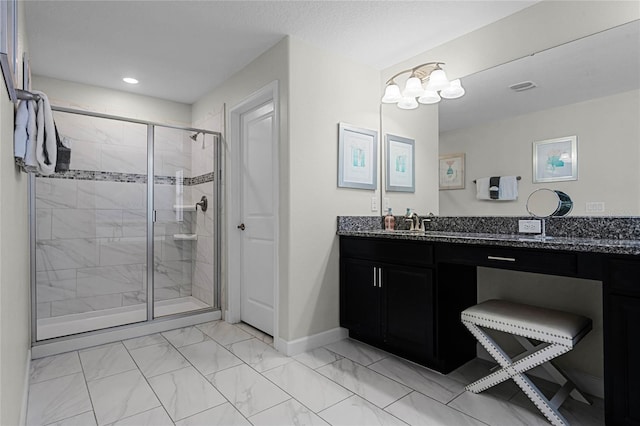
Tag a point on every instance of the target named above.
point(403, 292)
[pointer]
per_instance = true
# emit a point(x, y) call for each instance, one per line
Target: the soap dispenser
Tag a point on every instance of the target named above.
point(389, 221)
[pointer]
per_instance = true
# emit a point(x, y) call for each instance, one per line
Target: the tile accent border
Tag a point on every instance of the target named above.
point(95, 175)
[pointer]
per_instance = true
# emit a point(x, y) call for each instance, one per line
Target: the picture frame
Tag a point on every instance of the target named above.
point(8, 46)
point(451, 171)
point(357, 157)
point(555, 160)
point(400, 153)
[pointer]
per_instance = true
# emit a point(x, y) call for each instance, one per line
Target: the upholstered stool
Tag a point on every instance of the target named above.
point(558, 332)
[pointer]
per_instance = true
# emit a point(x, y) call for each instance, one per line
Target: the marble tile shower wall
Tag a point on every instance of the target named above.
point(91, 230)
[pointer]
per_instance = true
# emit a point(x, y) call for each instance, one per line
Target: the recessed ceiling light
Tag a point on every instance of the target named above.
point(130, 80)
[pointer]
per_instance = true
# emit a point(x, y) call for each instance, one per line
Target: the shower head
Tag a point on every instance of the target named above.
point(194, 137)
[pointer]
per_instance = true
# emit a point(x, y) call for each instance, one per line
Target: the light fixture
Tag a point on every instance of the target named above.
point(422, 86)
point(130, 80)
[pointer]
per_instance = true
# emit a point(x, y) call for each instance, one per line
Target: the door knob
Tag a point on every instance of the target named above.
point(241, 227)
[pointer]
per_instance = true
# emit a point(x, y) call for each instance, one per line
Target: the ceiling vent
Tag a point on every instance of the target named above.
point(520, 87)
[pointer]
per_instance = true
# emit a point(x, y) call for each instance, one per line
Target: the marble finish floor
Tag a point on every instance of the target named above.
point(222, 374)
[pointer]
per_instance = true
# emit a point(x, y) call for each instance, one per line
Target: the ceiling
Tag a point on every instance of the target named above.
point(602, 64)
point(181, 50)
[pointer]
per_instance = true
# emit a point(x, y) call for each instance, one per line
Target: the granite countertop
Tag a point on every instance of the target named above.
point(595, 245)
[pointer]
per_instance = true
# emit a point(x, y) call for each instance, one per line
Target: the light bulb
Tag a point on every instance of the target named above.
point(454, 91)
point(408, 103)
point(429, 97)
point(413, 88)
point(438, 81)
point(391, 94)
point(130, 80)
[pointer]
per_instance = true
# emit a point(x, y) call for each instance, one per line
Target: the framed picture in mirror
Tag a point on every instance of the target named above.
point(400, 164)
point(8, 10)
point(451, 171)
point(555, 160)
point(357, 157)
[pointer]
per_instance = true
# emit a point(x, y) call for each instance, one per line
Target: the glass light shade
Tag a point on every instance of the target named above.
point(408, 103)
point(391, 94)
point(454, 91)
point(429, 97)
point(413, 88)
point(438, 81)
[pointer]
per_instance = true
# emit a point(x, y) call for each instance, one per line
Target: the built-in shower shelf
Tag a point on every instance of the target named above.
point(184, 207)
point(185, 237)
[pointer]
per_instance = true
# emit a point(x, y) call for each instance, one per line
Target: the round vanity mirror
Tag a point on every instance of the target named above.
point(546, 202)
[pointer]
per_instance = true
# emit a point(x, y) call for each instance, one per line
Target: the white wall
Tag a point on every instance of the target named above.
point(14, 262)
point(325, 89)
point(608, 135)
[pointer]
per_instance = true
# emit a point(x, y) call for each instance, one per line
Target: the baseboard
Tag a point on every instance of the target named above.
point(585, 382)
point(25, 390)
point(303, 344)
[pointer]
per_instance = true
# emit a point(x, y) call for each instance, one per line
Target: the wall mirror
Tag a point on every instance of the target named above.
point(589, 87)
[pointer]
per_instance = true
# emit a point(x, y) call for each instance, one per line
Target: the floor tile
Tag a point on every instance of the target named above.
point(247, 390)
point(252, 330)
point(425, 381)
point(368, 384)
point(57, 399)
point(158, 359)
point(258, 354)
point(356, 351)
point(140, 342)
point(185, 392)
point(85, 419)
point(209, 357)
point(154, 417)
point(106, 360)
point(495, 411)
point(185, 336)
point(417, 409)
point(307, 386)
point(290, 412)
point(317, 358)
point(356, 411)
point(222, 415)
point(121, 395)
point(223, 332)
point(54, 366)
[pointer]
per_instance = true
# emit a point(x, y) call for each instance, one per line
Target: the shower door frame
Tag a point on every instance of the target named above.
point(217, 207)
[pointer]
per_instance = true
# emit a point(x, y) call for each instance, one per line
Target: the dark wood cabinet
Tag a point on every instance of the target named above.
point(388, 298)
point(622, 342)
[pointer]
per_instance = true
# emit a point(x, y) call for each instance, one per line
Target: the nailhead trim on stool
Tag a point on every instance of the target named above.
point(573, 327)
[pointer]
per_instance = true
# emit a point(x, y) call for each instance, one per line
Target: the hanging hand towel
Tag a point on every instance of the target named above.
point(46, 146)
point(30, 159)
point(20, 133)
point(482, 188)
point(508, 188)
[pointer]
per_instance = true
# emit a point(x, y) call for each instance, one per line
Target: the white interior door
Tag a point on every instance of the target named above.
point(258, 218)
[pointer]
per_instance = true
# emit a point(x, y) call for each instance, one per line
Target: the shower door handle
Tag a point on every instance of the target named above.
point(241, 227)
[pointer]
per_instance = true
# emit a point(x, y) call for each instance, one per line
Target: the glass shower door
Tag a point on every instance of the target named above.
point(183, 261)
point(90, 242)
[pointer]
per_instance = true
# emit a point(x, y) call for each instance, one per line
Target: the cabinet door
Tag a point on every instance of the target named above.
point(622, 360)
point(407, 300)
point(359, 298)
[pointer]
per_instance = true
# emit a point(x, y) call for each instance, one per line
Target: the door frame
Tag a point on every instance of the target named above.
point(261, 96)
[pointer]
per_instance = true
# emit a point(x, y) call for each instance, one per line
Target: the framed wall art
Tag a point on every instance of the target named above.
point(400, 164)
point(451, 171)
point(357, 157)
point(8, 15)
point(555, 160)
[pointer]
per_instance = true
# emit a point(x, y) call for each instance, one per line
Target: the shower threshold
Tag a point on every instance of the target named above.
point(65, 325)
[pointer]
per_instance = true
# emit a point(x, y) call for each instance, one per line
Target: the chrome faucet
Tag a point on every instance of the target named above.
point(416, 225)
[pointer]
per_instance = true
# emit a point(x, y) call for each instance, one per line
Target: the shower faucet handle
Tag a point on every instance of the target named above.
point(203, 204)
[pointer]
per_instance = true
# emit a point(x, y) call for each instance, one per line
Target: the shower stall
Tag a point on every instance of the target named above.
point(130, 233)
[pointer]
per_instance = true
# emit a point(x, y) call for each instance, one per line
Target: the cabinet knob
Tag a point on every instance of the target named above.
point(241, 227)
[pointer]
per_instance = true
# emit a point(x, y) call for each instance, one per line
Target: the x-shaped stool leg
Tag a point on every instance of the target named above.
point(515, 370)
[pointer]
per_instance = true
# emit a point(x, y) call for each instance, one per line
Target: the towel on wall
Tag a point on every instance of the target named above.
point(20, 134)
point(501, 188)
point(46, 144)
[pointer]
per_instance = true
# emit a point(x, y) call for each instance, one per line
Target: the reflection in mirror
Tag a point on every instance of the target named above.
point(545, 202)
point(589, 88)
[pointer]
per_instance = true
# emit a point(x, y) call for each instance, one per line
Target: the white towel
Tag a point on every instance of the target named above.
point(507, 191)
point(20, 133)
point(508, 188)
point(482, 188)
point(46, 137)
point(30, 159)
